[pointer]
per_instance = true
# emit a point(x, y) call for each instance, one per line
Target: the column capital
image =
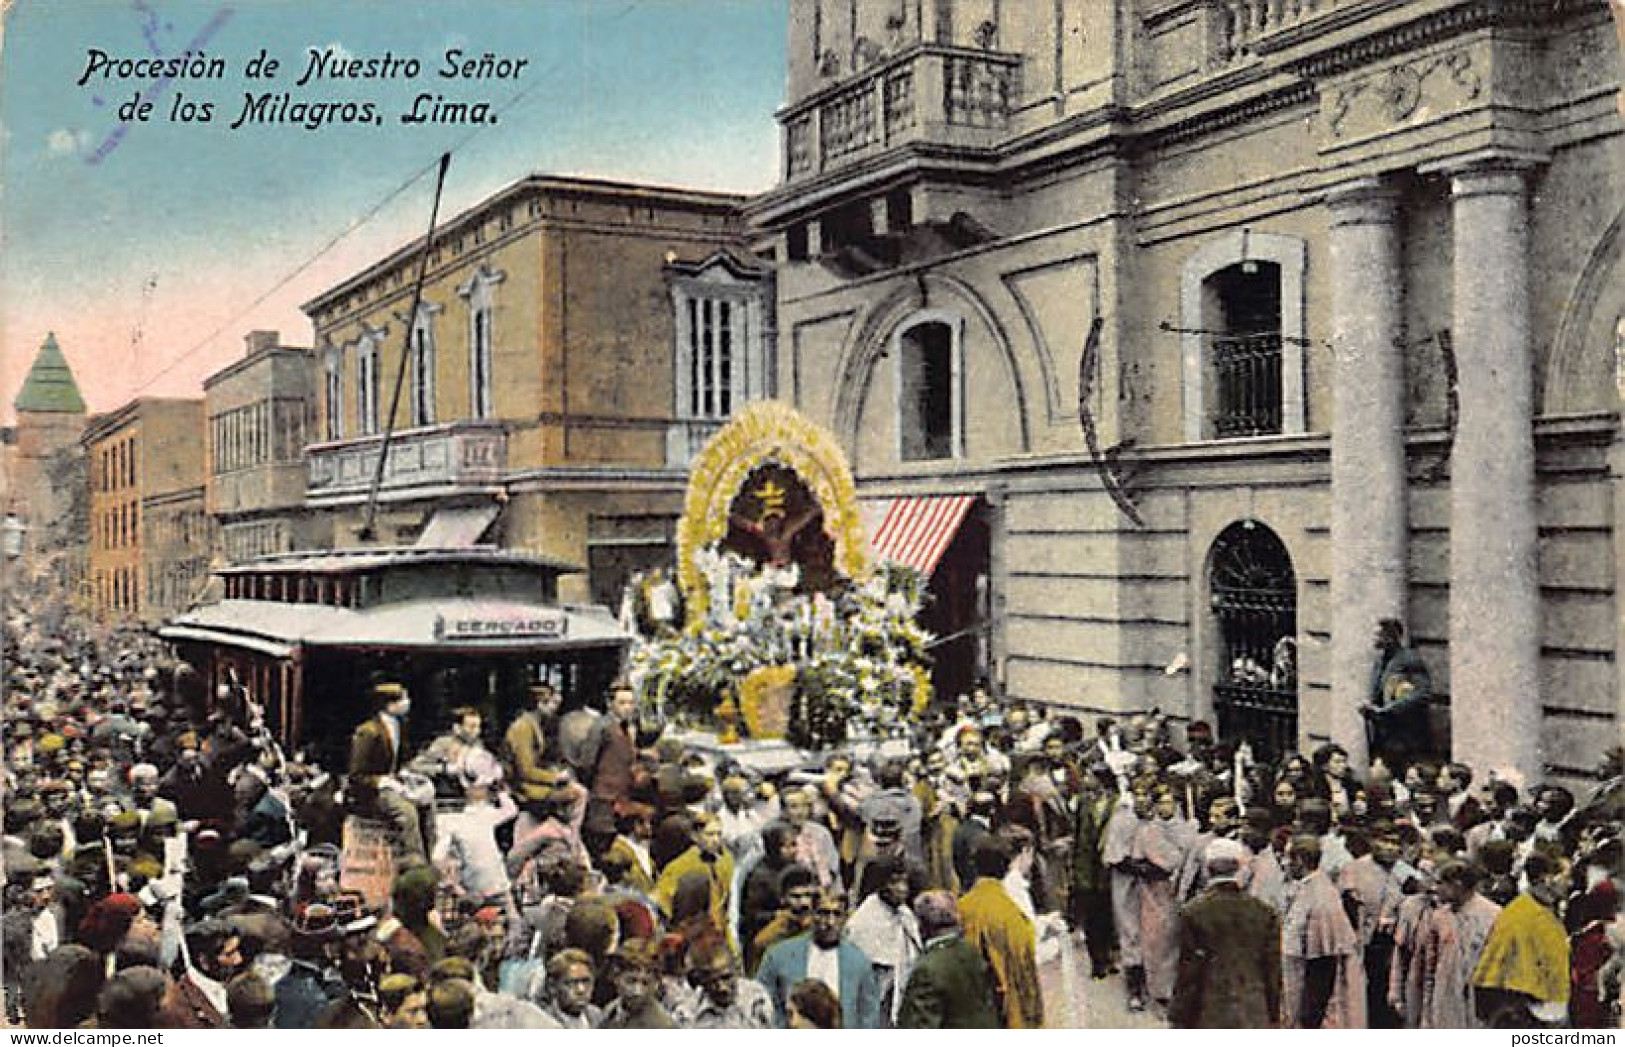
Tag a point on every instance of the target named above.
point(1362, 201)
point(1487, 173)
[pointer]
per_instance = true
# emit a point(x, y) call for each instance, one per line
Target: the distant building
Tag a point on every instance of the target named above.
point(50, 419)
point(576, 343)
point(149, 535)
point(259, 411)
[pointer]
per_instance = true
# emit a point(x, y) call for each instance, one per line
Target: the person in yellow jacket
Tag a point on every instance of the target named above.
point(708, 855)
point(997, 928)
point(1522, 977)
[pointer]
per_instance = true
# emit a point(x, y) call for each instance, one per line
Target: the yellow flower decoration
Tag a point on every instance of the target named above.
point(763, 432)
point(773, 681)
point(922, 690)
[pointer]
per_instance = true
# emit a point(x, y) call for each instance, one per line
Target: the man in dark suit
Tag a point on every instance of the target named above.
point(375, 757)
point(1091, 895)
point(951, 986)
point(615, 762)
point(1229, 974)
point(977, 824)
point(1397, 712)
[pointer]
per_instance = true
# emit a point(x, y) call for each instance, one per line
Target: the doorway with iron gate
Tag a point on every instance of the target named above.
point(1253, 594)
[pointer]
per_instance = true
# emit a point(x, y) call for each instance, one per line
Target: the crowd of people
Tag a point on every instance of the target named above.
point(168, 865)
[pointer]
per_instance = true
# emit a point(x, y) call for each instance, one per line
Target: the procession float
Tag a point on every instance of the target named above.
point(777, 629)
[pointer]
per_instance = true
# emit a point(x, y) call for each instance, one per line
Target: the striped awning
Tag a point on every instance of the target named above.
point(915, 531)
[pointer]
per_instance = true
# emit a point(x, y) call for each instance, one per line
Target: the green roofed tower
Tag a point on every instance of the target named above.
point(50, 421)
point(50, 388)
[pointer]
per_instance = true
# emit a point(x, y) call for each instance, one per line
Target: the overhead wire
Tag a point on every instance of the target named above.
point(372, 212)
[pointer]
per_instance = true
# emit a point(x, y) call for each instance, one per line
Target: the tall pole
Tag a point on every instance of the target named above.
point(368, 528)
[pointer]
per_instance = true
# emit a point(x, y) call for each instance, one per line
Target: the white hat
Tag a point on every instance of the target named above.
point(1225, 854)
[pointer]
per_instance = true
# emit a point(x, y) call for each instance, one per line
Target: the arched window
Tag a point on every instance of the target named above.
point(1242, 337)
point(929, 389)
point(1253, 592)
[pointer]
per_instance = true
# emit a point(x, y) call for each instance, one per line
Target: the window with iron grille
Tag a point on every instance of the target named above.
point(1253, 595)
point(1245, 355)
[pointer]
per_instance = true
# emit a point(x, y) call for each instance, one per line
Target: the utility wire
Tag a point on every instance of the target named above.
point(371, 213)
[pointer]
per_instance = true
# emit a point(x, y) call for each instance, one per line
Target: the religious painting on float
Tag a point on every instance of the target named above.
point(789, 631)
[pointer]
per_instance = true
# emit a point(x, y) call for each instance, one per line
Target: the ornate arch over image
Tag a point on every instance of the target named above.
point(767, 433)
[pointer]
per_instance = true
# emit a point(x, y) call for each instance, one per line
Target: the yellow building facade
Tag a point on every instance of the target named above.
point(148, 538)
point(575, 342)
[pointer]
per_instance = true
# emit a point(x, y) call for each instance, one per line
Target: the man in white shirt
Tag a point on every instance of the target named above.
point(466, 850)
point(886, 929)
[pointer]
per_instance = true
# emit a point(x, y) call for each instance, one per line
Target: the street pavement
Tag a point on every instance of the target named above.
point(1090, 1004)
point(1105, 1006)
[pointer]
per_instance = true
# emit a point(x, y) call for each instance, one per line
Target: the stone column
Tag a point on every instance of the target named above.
point(1369, 528)
point(1495, 702)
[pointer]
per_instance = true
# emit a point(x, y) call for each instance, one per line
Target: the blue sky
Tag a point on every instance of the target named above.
point(134, 251)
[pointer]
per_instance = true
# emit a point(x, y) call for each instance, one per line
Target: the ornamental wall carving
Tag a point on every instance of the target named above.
point(1402, 95)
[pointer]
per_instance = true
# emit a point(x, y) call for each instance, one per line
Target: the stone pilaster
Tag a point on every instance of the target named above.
point(1495, 711)
point(1369, 528)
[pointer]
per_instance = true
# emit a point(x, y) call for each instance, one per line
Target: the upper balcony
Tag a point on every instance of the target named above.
point(1251, 27)
point(927, 94)
point(432, 461)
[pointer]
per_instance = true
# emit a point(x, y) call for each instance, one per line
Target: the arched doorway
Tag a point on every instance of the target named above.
point(1254, 596)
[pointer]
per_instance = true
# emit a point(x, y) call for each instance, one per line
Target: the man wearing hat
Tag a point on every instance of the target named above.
point(531, 767)
point(1229, 974)
point(310, 984)
point(375, 757)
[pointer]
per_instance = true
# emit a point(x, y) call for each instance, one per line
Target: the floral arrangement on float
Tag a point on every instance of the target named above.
point(789, 632)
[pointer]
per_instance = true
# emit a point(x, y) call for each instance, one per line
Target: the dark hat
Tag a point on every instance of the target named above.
point(316, 920)
point(231, 892)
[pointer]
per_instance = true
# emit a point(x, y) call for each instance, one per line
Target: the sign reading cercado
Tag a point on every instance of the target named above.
point(526, 626)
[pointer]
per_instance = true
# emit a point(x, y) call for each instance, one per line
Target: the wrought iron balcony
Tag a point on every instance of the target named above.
point(1249, 385)
point(456, 455)
point(929, 93)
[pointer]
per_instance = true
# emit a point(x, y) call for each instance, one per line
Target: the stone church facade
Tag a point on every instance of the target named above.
point(1248, 323)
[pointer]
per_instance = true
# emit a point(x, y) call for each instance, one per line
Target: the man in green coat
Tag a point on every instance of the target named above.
point(951, 986)
point(1229, 974)
point(1091, 897)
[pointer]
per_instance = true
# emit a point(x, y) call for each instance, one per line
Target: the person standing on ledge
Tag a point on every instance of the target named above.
point(1396, 713)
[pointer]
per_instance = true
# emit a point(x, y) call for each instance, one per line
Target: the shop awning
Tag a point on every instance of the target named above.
point(457, 528)
point(915, 531)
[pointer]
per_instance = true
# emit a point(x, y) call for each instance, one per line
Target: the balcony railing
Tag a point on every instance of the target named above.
point(1245, 24)
point(1248, 370)
point(685, 439)
point(928, 93)
point(457, 454)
